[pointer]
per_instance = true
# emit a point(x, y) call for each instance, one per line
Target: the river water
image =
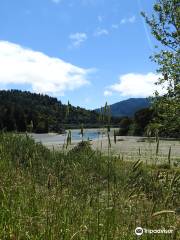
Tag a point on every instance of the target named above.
point(52, 138)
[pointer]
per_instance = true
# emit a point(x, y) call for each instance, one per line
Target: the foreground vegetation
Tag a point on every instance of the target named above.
point(82, 194)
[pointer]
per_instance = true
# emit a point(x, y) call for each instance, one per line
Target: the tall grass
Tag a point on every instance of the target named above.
point(82, 194)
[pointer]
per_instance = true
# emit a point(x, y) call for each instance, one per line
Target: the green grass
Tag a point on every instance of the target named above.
point(82, 194)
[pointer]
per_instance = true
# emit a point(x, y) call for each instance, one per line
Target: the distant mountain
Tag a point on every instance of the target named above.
point(128, 107)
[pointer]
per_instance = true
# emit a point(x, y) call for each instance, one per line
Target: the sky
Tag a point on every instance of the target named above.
point(84, 51)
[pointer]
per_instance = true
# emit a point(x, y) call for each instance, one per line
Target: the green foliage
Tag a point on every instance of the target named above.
point(124, 126)
point(136, 126)
point(141, 120)
point(82, 147)
point(25, 111)
point(81, 194)
point(165, 25)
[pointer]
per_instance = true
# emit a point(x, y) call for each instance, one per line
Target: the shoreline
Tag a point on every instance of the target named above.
point(129, 147)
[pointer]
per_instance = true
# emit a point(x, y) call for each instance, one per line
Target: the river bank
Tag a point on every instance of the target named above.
point(129, 147)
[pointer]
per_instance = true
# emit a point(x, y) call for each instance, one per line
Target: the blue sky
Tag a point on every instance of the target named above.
point(85, 51)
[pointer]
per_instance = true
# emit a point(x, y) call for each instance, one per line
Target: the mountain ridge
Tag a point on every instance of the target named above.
point(128, 107)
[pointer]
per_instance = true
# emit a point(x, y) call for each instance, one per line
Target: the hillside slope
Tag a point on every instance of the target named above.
point(25, 111)
point(128, 107)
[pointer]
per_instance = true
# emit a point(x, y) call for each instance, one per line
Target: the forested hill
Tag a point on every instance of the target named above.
point(128, 107)
point(25, 111)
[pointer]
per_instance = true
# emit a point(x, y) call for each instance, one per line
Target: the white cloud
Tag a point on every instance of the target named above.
point(43, 73)
point(107, 93)
point(137, 85)
point(131, 19)
point(78, 38)
point(101, 31)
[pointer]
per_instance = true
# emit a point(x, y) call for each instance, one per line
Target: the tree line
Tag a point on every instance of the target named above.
point(24, 111)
